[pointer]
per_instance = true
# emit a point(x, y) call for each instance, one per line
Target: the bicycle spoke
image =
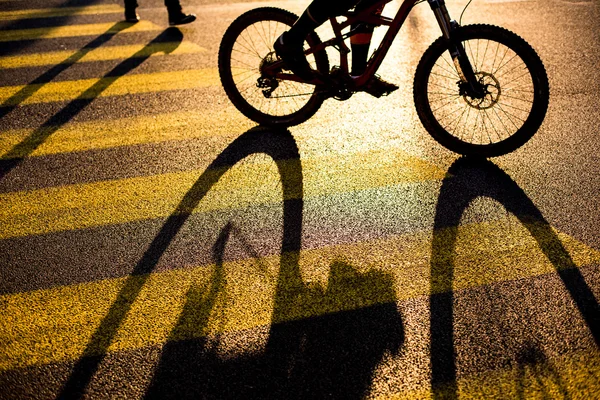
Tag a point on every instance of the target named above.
point(505, 64)
point(452, 69)
point(484, 54)
point(443, 76)
point(494, 117)
point(504, 95)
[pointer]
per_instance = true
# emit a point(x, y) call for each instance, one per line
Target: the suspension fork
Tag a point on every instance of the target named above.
point(469, 82)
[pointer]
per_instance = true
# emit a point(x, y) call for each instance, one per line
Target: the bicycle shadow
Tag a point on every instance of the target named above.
point(171, 37)
point(333, 355)
point(280, 147)
point(468, 180)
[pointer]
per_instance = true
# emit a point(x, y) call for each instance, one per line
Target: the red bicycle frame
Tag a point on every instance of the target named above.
point(368, 16)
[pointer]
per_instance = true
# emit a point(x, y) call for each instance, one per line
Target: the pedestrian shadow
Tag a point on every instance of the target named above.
point(34, 86)
point(8, 48)
point(469, 179)
point(171, 37)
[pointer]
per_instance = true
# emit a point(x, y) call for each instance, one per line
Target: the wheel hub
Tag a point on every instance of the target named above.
point(490, 88)
point(267, 80)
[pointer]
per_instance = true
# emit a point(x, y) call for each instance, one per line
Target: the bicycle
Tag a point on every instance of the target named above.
point(478, 89)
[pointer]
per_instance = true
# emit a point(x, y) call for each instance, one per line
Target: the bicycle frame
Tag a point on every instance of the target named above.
point(368, 16)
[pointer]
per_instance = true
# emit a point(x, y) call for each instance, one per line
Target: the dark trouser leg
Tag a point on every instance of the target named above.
point(318, 12)
point(131, 5)
point(130, 14)
point(173, 6)
point(361, 42)
point(289, 45)
point(176, 14)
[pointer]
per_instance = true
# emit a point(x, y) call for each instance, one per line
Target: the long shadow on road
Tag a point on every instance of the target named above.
point(12, 158)
point(333, 355)
point(468, 180)
point(12, 47)
point(34, 86)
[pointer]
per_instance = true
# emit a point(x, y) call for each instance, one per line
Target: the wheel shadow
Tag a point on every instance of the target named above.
point(280, 147)
point(333, 355)
point(468, 180)
point(171, 37)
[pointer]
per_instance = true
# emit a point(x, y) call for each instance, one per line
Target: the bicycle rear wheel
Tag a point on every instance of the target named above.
point(246, 46)
point(513, 107)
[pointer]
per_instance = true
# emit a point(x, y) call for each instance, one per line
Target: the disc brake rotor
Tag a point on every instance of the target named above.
point(492, 90)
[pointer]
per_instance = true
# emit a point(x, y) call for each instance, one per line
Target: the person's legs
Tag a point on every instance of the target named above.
point(289, 46)
point(176, 15)
point(360, 44)
point(316, 14)
point(130, 14)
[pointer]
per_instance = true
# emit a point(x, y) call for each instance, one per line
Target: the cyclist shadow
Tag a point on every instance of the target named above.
point(468, 180)
point(332, 354)
point(347, 345)
point(171, 38)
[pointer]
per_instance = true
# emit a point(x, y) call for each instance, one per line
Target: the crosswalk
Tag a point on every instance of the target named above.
point(105, 53)
point(47, 325)
point(112, 86)
point(57, 312)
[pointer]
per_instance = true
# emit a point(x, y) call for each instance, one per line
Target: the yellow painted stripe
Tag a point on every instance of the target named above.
point(113, 86)
point(57, 324)
point(95, 135)
point(99, 54)
point(75, 30)
point(254, 181)
point(572, 375)
point(60, 12)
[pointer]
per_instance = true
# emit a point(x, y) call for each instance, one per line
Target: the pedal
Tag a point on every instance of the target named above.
point(378, 87)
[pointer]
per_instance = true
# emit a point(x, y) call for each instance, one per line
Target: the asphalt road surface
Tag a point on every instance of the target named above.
point(155, 244)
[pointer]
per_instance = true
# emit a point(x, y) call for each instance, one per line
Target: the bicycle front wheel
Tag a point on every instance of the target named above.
point(246, 46)
point(516, 93)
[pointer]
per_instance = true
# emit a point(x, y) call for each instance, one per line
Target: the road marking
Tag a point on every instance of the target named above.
point(95, 135)
point(56, 324)
point(103, 53)
point(254, 181)
point(60, 12)
point(112, 86)
point(575, 373)
point(76, 30)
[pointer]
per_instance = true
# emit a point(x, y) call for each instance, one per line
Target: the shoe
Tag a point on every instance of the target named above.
point(378, 87)
point(131, 16)
point(292, 54)
point(181, 18)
